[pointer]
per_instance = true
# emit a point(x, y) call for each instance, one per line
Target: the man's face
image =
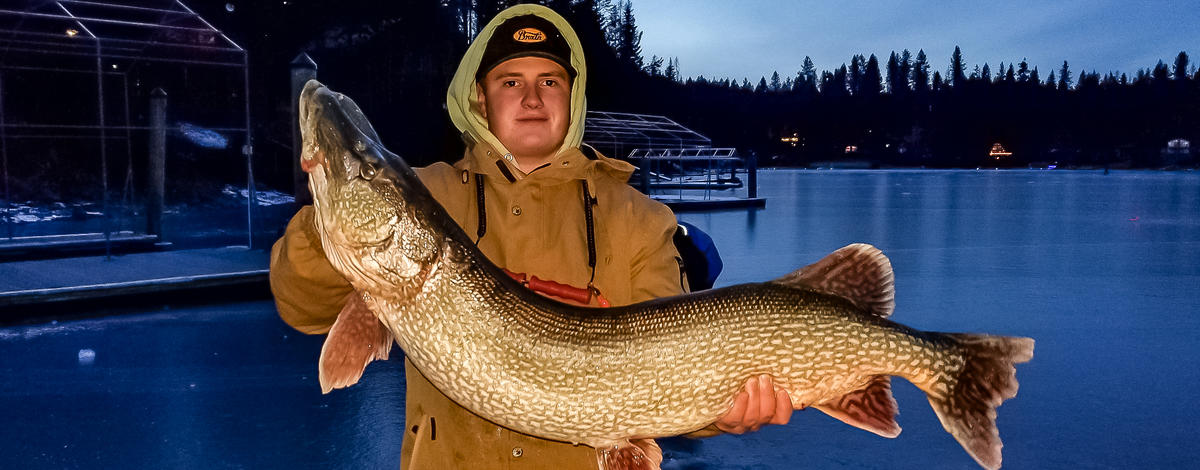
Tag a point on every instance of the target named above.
point(527, 103)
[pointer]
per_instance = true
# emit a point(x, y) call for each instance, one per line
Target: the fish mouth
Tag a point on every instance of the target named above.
point(337, 135)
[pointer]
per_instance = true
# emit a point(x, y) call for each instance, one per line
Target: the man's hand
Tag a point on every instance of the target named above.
point(758, 404)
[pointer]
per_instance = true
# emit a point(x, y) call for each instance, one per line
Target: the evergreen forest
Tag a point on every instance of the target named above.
point(906, 109)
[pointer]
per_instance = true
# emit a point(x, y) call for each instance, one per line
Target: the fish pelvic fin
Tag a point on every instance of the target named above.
point(356, 338)
point(967, 409)
point(859, 273)
point(871, 408)
point(636, 454)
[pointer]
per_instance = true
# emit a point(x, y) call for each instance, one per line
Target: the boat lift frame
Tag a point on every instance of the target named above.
point(86, 36)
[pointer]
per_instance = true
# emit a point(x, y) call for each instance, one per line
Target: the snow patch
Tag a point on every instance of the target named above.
point(264, 197)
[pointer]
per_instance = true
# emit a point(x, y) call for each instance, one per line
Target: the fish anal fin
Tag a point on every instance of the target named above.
point(871, 408)
point(356, 338)
point(640, 454)
point(859, 273)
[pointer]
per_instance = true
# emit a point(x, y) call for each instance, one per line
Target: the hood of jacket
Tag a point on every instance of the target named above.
point(483, 148)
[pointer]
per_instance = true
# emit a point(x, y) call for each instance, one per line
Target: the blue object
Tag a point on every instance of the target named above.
point(701, 260)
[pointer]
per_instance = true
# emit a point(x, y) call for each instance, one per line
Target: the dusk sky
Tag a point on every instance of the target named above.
point(752, 38)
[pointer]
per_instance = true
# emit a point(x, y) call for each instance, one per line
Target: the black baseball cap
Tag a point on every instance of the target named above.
point(525, 36)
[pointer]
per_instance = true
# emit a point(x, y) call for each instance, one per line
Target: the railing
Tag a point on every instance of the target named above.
point(701, 168)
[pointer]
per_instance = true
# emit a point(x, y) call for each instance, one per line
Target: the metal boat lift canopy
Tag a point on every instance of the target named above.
point(618, 133)
point(65, 34)
point(109, 39)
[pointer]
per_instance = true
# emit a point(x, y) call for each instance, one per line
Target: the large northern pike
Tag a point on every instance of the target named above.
point(603, 376)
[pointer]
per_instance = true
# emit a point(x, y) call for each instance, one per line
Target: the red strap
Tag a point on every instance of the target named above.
point(562, 291)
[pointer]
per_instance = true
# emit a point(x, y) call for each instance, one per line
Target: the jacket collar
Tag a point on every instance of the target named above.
point(572, 163)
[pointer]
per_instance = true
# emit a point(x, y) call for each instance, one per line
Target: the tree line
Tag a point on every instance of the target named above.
point(396, 59)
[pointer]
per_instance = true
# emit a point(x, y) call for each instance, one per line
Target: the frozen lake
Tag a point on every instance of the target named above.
point(1102, 270)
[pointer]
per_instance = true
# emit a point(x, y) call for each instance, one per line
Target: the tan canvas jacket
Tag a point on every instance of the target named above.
point(535, 224)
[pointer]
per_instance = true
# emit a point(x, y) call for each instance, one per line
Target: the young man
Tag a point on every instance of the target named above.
point(538, 202)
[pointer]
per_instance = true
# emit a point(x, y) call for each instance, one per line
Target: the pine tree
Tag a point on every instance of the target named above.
point(1110, 81)
point(841, 80)
point(1142, 77)
point(937, 81)
point(654, 68)
point(629, 39)
point(872, 80)
point(806, 79)
point(1010, 76)
point(671, 73)
point(986, 74)
point(1050, 81)
point(999, 74)
point(1064, 77)
point(856, 74)
point(920, 73)
point(762, 86)
point(1160, 72)
point(958, 68)
point(897, 80)
point(776, 85)
point(1181, 66)
point(1033, 76)
point(906, 65)
point(1023, 72)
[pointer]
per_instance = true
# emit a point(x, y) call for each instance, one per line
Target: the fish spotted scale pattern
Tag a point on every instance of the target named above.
point(658, 368)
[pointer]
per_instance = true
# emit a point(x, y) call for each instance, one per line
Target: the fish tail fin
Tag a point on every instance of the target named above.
point(966, 403)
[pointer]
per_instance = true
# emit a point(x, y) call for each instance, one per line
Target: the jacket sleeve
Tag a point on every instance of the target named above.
point(308, 291)
point(656, 266)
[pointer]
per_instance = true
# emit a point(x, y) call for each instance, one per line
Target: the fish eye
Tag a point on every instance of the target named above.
point(368, 171)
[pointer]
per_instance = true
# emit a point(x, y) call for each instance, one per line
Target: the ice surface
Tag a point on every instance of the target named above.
point(1051, 255)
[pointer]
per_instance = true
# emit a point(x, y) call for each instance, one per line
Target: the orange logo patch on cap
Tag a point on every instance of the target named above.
point(529, 35)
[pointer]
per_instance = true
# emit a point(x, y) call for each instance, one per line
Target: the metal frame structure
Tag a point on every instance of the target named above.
point(111, 38)
point(615, 132)
point(694, 168)
point(669, 155)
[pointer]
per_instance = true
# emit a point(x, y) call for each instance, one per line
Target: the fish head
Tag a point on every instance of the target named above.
point(378, 224)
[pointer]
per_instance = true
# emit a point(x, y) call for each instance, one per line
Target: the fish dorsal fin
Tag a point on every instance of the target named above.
point(871, 408)
point(860, 273)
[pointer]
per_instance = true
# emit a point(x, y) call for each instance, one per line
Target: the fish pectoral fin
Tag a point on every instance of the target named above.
point(356, 338)
point(871, 408)
point(638, 454)
point(859, 273)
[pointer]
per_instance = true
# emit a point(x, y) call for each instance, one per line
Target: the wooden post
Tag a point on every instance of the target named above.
point(303, 69)
point(752, 175)
point(157, 167)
